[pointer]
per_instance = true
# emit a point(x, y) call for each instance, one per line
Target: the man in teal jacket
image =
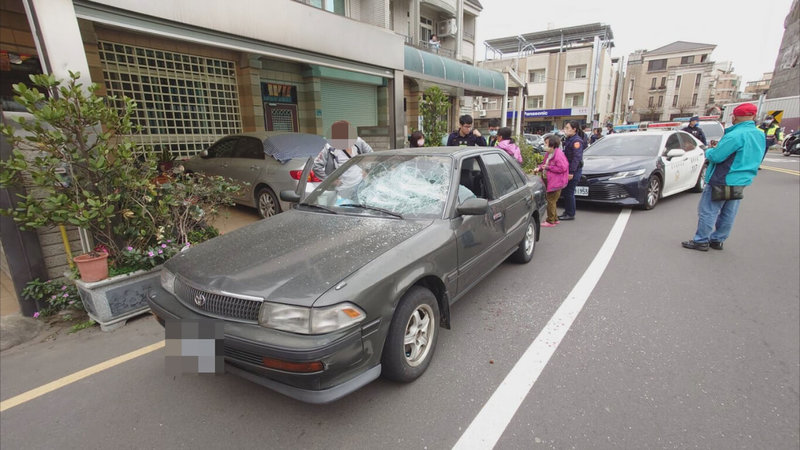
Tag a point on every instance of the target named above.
point(733, 162)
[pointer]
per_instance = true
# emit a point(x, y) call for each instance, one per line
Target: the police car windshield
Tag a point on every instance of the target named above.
point(631, 144)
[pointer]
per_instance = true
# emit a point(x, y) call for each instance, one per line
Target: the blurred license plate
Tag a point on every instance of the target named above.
point(583, 191)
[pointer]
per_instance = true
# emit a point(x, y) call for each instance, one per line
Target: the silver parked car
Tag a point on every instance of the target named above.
point(269, 161)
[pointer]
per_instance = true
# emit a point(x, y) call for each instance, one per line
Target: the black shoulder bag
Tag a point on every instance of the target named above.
point(721, 192)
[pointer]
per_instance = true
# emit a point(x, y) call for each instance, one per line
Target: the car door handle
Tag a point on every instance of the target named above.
point(253, 167)
point(497, 216)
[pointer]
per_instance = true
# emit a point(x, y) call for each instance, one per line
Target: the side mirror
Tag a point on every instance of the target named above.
point(290, 196)
point(675, 152)
point(473, 207)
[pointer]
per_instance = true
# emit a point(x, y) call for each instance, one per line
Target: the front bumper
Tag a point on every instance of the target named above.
point(625, 191)
point(347, 358)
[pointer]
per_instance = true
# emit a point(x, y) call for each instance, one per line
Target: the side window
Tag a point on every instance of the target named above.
point(250, 148)
point(222, 149)
point(687, 142)
point(471, 181)
point(500, 175)
point(518, 178)
point(673, 142)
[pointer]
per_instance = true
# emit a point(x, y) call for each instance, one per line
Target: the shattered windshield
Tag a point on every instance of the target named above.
point(387, 185)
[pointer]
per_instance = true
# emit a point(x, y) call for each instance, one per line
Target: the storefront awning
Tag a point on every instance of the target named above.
point(437, 69)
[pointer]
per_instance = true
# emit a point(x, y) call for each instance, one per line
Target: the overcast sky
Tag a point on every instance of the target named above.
point(746, 33)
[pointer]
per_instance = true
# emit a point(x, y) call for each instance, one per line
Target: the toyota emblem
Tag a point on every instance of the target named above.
point(200, 300)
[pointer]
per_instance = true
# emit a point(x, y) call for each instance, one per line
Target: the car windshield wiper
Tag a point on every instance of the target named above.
point(319, 207)
point(373, 208)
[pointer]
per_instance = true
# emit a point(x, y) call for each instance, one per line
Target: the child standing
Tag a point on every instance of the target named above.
point(505, 142)
point(556, 173)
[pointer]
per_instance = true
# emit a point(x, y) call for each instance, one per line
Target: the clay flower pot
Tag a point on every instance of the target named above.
point(92, 268)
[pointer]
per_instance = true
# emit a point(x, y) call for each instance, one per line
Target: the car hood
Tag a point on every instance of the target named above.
point(609, 164)
point(293, 257)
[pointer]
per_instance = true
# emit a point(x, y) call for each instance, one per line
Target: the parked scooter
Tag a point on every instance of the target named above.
point(791, 144)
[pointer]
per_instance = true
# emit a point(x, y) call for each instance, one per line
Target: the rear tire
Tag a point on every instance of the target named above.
point(412, 336)
point(527, 246)
point(267, 203)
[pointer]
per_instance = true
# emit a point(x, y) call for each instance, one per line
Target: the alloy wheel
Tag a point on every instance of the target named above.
point(419, 331)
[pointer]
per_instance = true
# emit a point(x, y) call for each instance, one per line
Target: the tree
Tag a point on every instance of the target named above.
point(433, 108)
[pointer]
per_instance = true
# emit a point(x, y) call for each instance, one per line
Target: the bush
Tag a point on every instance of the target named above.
point(53, 296)
point(530, 158)
point(433, 108)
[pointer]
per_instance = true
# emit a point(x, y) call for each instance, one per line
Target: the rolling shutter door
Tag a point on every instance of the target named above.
point(356, 103)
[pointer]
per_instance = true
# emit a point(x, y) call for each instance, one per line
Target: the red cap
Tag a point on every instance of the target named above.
point(745, 109)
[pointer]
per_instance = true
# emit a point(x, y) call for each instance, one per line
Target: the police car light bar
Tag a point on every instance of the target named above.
point(686, 119)
point(664, 125)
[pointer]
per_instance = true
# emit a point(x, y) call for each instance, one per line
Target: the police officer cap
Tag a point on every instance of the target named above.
point(695, 118)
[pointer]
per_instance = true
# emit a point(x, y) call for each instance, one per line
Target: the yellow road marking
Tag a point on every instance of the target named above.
point(782, 170)
point(69, 379)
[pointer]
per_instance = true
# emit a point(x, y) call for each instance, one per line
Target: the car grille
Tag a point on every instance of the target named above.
point(602, 191)
point(222, 306)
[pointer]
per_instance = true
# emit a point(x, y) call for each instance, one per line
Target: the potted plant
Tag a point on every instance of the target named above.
point(85, 169)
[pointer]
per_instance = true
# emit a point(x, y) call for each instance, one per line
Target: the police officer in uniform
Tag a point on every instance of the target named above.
point(574, 145)
point(772, 131)
point(695, 130)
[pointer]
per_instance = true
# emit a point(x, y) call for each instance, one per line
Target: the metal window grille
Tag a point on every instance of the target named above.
point(184, 102)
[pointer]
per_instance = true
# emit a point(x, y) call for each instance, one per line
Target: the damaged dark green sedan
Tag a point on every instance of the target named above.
point(356, 281)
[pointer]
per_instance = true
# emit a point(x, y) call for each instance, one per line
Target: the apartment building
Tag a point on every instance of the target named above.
point(676, 80)
point(727, 84)
point(555, 76)
point(202, 69)
point(757, 88)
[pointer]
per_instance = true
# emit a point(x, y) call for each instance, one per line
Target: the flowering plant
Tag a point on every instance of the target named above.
point(131, 259)
point(52, 296)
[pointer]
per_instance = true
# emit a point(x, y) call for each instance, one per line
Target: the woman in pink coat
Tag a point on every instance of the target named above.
point(505, 142)
point(556, 173)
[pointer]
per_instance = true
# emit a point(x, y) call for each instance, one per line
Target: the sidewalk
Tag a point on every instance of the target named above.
point(16, 329)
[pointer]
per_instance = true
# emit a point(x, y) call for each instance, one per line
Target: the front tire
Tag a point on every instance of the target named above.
point(653, 193)
point(412, 337)
point(267, 203)
point(701, 180)
point(527, 246)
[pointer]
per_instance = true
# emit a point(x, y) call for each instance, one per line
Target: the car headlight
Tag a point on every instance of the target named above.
point(626, 174)
point(299, 319)
point(168, 280)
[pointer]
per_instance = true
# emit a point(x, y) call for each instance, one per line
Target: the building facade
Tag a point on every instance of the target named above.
point(562, 74)
point(786, 79)
point(676, 80)
point(755, 89)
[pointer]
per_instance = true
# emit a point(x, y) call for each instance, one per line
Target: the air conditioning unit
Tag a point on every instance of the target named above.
point(482, 113)
point(447, 27)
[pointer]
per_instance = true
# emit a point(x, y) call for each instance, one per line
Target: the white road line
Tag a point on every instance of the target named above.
point(494, 417)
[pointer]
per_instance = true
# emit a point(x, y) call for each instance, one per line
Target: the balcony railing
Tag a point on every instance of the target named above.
point(425, 45)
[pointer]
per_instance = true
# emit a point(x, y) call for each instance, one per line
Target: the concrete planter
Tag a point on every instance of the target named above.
point(111, 302)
